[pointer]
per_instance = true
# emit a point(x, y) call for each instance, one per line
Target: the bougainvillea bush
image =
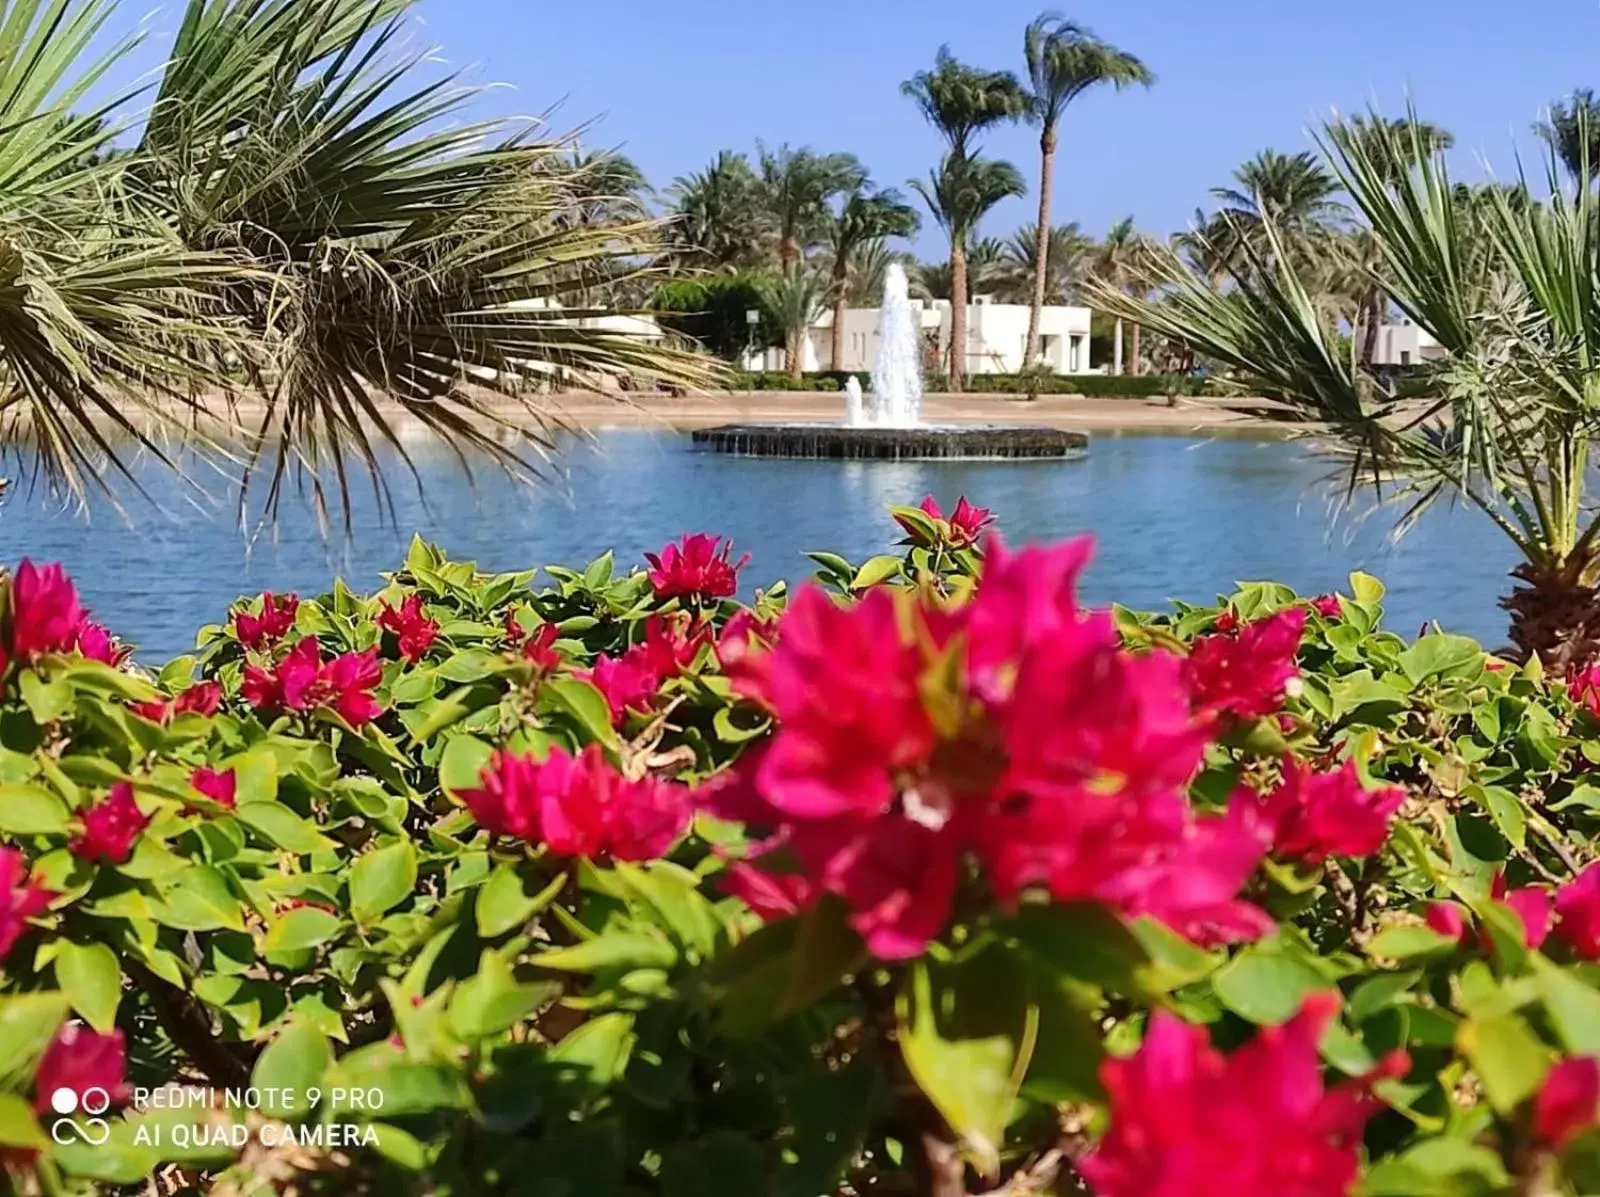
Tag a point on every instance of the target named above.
point(920, 879)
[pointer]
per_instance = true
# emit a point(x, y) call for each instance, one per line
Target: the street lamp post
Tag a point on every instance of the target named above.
point(752, 317)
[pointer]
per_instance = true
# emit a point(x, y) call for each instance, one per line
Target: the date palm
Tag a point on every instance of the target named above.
point(796, 186)
point(866, 218)
point(720, 222)
point(1509, 289)
point(1295, 191)
point(796, 301)
point(959, 194)
point(1573, 130)
point(1067, 254)
point(1064, 60)
point(1119, 262)
point(961, 101)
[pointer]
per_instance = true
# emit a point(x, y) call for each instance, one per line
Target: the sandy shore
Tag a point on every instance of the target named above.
point(1063, 411)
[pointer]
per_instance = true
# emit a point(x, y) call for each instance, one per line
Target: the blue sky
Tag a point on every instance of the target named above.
point(673, 82)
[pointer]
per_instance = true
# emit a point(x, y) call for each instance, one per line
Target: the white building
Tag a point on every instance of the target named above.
point(997, 338)
point(1403, 343)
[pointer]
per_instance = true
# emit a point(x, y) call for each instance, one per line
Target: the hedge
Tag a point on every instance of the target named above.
point(1098, 385)
point(921, 879)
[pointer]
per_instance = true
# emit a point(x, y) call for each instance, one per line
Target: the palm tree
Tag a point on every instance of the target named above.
point(796, 300)
point(960, 101)
point(720, 221)
point(1397, 145)
point(1119, 262)
point(867, 217)
point(301, 223)
point(959, 194)
point(1064, 61)
point(796, 186)
point(1573, 131)
point(864, 286)
point(1295, 191)
point(1507, 288)
point(1067, 255)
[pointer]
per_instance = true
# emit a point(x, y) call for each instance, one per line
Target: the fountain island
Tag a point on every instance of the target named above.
point(887, 423)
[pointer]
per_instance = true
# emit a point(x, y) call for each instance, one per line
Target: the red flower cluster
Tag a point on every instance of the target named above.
point(1245, 676)
point(1186, 1119)
point(1014, 728)
point(20, 898)
point(272, 625)
point(1318, 815)
point(1578, 914)
point(303, 681)
point(960, 529)
point(693, 567)
point(1327, 606)
point(415, 631)
point(222, 788)
point(539, 649)
point(47, 618)
point(1568, 1101)
point(110, 827)
point(78, 1059)
point(578, 805)
point(202, 698)
point(629, 682)
point(1531, 903)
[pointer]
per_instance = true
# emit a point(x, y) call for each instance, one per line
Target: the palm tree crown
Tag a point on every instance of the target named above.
point(961, 100)
point(796, 186)
point(1573, 131)
point(1065, 60)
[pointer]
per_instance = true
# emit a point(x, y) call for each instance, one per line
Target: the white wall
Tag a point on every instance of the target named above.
point(1404, 344)
point(996, 337)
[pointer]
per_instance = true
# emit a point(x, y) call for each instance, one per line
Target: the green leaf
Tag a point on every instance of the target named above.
point(1573, 1006)
point(967, 1033)
point(876, 570)
point(626, 950)
point(301, 928)
point(1442, 655)
point(1365, 587)
point(1085, 941)
point(31, 810)
point(198, 899)
point(1265, 987)
point(723, 1164)
point(381, 880)
point(504, 903)
point(599, 1048)
point(1407, 941)
point(586, 705)
point(28, 1022)
point(462, 764)
point(18, 1126)
point(1506, 1055)
point(491, 1000)
point(826, 949)
point(282, 828)
point(91, 979)
point(292, 1065)
point(471, 665)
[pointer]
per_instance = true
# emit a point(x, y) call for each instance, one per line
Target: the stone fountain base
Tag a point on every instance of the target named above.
point(927, 442)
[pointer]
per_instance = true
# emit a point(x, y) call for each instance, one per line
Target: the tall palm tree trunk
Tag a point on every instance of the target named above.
point(1369, 329)
point(840, 302)
point(1555, 616)
point(797, 354)
point(958, 316)
point(1041, 241)
point(1135, 365)
point(788, 255)
point(1116, 346)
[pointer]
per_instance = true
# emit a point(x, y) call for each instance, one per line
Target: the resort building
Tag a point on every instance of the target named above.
point(1402, 343)
point(997, 338)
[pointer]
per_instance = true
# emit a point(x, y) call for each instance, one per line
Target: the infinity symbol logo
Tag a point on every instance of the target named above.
point(93, 1130)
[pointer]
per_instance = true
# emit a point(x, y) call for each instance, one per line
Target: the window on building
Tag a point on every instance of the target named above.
point(1074, 354)
point(1047, 348)
point(1405, 357)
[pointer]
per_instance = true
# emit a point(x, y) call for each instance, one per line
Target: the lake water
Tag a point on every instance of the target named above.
point(1174, 517)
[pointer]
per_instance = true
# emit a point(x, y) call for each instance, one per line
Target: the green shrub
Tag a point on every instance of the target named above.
point(295, 861)
point(713, 311)
point(1094, 385)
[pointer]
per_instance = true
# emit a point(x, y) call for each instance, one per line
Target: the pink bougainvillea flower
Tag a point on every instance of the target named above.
point(1578, 914)
point(628, 682)
point(578, 805)
point(20, 898)
point(110, 827)
point(1014, 728)
point(1327, 606)
point(414, 630)
point(671, 643)
point(1533, 907)
point(962, 527)
point(1568, 1101)
point(1318, 815)
point(79, 1060)
point(45, 615)
point(222, 788)
point(272, 625)
point(1226, 622)
point(202, 698)
point(304, 682)
point(96, 642)
point(694, 567)
point(1245, 676)
point(540, 650)
point(1584, 686)
point(1185, 1119)
point(1448, 919)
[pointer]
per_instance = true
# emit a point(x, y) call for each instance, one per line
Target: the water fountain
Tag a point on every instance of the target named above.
point(887, 423)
